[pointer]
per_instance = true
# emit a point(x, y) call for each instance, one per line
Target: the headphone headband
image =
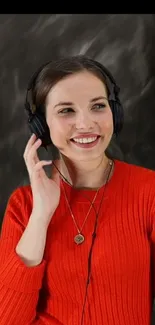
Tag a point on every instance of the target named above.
point(113, 88)
point(109, 79)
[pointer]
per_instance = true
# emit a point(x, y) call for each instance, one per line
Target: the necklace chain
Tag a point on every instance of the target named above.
point(79, 231)
point(80, 238)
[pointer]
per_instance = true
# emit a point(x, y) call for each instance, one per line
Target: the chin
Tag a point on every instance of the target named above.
point(83, 156)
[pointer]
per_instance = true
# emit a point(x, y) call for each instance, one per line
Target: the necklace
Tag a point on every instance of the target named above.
point(79, 238)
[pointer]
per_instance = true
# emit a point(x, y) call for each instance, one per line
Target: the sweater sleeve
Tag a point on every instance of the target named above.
point(152, 238)
point(153, 258)
point(19, 284)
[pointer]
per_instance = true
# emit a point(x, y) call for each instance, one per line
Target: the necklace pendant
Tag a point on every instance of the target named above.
point(79, 239)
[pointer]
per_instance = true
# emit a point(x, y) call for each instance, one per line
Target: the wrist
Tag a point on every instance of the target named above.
point(39, 219)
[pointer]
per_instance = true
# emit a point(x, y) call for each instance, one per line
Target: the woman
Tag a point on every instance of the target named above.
point(78, 247)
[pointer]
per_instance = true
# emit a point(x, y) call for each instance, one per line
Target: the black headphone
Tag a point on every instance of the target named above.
point(36, 119)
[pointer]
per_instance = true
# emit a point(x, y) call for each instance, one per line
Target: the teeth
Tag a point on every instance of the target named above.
point(85, 140)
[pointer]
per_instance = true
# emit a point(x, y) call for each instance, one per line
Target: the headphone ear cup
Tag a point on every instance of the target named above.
point(118, 115)
point(38, 126)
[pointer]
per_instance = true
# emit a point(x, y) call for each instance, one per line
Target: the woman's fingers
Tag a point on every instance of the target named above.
point(38, 168)
point(29, 145)
point(30, 153)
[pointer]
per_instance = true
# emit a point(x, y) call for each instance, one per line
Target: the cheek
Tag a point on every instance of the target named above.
point(58, 130)
point(106, 122)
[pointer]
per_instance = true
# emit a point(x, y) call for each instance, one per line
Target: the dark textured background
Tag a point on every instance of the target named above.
point(125, 43)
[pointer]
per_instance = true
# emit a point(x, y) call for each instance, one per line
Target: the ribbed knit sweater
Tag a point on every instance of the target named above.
point(122, 285)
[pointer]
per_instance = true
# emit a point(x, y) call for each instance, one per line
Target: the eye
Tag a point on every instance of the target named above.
point(66, 110)
point(99, 106)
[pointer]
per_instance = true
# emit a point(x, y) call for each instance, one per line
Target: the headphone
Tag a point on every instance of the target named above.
point(36, 119)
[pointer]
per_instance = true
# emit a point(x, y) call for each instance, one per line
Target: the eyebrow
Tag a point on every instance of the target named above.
point(70, 103)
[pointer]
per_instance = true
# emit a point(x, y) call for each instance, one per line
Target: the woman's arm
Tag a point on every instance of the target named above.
point(21, 264)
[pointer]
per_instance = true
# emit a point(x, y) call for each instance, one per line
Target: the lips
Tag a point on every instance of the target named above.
point(86, 143)
point(85, 139)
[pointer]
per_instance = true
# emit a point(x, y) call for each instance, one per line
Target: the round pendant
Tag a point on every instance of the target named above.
point(79, 239)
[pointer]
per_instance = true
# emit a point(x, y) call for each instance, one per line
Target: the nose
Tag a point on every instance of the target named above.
point(84, 121)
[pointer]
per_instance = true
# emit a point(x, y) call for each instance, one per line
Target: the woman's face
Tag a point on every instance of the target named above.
point(79, 116)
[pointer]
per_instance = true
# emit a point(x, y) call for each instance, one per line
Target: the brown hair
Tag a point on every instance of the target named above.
point(54, 71)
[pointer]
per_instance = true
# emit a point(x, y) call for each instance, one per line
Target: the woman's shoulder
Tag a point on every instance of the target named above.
point(136, 172)
point(21, 193)
point(20, 199)
point(19, 205)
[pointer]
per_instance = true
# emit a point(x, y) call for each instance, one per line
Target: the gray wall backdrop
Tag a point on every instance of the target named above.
point(125, 43)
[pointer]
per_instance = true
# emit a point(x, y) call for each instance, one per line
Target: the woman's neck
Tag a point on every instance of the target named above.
point(86, 175)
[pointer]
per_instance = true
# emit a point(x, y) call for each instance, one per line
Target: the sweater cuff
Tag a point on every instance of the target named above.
point(14, 274)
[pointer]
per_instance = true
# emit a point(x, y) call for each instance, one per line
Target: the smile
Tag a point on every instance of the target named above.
point(86, 142)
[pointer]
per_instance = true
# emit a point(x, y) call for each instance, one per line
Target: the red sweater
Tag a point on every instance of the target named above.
point(121, 289)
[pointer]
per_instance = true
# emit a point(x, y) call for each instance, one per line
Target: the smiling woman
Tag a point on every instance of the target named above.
point(78, 247)
point(77, 98)
point(87, 121)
